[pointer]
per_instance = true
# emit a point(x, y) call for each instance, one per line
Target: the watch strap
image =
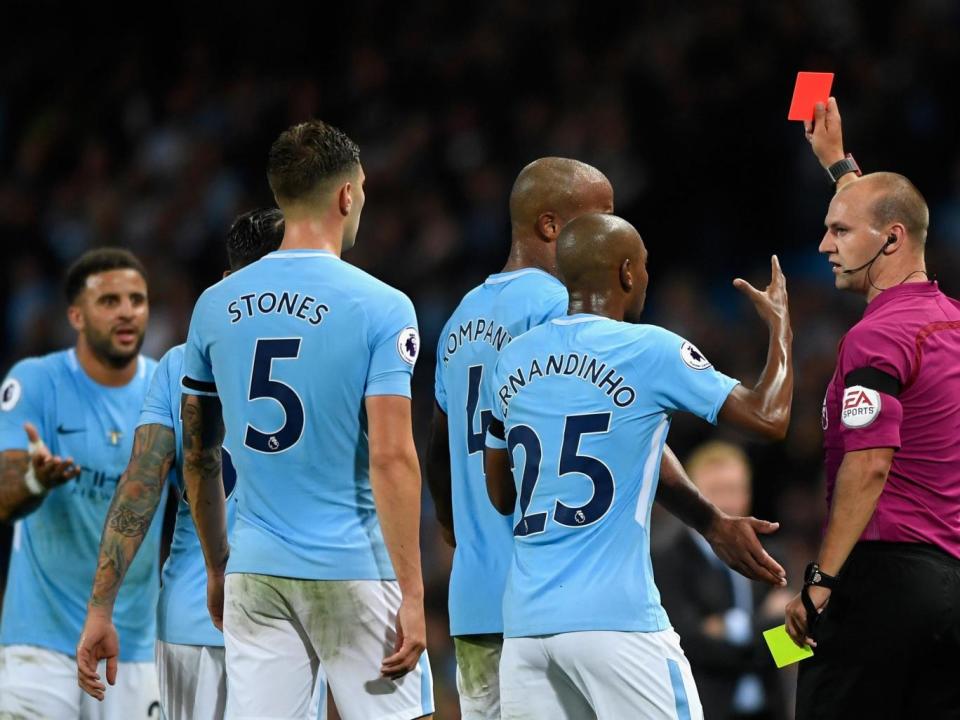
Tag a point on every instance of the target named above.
point(842, 167)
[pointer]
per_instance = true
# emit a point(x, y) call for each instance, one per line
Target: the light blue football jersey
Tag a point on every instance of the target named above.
point(488, 317)
point(55, 547)
point(586, 403)
point(292, 344)
point(182, 616)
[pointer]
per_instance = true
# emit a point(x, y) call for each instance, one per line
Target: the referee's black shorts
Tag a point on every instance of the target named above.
point(888, 642)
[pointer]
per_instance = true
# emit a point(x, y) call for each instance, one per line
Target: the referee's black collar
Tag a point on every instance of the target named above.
point(900, 291)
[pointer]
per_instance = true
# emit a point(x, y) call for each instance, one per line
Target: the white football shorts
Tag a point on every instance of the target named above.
point(598, 675)
point(282, 634)
point(478, 676)
point(193, 683)
point(39, 683)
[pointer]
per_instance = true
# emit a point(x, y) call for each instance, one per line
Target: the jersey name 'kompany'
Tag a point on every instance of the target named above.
point(293, 344)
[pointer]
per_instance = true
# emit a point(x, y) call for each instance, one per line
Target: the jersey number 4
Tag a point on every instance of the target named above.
point(571, 462)
point(263, 386)
point(475, 440)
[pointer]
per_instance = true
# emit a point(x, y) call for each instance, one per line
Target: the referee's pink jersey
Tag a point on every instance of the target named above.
point(897, 384)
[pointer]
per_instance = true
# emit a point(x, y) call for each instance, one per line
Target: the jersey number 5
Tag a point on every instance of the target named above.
point(262, 386)
point(571, 462)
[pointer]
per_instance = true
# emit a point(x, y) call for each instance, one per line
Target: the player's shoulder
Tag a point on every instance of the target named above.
point(172, 359)
point(376, 297)
point(529, 286)
point(52, 364)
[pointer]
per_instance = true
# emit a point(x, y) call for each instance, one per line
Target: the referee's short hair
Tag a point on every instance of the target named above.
point(97, 261)
point(898, 201)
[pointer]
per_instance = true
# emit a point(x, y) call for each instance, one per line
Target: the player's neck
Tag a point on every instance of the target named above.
point(311, 233)
point(522, 257)
point(595, 302)
point(103, 373)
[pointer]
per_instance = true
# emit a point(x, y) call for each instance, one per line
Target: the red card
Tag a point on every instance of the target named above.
point(811, 88)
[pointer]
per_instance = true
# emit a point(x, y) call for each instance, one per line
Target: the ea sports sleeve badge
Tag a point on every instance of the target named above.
point(861, 406)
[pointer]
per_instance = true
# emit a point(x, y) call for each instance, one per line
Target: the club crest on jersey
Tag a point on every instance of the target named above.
point(408, 345)
point(692, 357)
point(861, 406)
point(10, 394)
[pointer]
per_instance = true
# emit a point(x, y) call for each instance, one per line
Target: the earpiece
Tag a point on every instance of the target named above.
point(891, 239)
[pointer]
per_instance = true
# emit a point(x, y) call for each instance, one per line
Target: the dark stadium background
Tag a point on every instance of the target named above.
point(152, 132)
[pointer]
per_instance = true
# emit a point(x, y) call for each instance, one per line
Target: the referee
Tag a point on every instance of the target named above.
point(881, 603)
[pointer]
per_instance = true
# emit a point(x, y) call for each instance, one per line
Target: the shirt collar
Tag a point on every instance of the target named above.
point(901, 291)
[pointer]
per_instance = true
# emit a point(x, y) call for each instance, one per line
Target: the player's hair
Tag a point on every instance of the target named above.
point(714, 453)
point(98, 261)
point(253, 235)
point(898, 200)
point(307, 155)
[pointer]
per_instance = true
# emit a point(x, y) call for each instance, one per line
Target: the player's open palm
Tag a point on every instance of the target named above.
point(411, 640)
point(99, 641)
point(771, 303)
point(50, 470)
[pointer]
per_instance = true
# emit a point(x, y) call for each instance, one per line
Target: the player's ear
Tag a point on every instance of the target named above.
point(626, 276)
point(75, 317)
point(345, 198)
point(548, 226)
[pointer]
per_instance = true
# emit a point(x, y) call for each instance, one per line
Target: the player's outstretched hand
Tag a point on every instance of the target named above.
point(98, 641)
point(50, 470)
point(411, 640)
point(825, 134)
point(735, 541)
point(771, 303)
point(215, 598)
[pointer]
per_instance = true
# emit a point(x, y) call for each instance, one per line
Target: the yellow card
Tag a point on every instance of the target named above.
point(783, 649)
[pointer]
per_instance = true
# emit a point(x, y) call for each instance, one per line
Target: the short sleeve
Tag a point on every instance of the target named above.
point(197, 370)
point(683, 377)
point(22, 400)
point(874, 364)
point(439, 374)
point(158, 406)
point(394, 347)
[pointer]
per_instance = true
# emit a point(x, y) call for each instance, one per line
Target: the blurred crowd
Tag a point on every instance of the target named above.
point(153, 135)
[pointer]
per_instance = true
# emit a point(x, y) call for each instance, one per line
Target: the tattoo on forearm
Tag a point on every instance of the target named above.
point(131, 511)
point(202, 439)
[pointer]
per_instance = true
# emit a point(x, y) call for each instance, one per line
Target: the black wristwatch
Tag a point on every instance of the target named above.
point(813, 575)
point(842, 167)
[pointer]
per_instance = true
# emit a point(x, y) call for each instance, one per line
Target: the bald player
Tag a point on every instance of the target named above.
point(881, 600)
point(547, 194)
point(581, 408)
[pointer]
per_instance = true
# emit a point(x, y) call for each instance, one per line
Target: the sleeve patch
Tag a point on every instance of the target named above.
point(408, 345)
point(10, 394)
point(692, 357)
point(861, 406)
